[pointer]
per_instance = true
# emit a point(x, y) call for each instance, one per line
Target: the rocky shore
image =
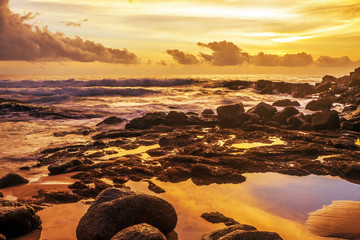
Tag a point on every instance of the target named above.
point(216, 146)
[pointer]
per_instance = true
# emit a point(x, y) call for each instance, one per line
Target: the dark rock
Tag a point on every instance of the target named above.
point(155, 188)
point(328, 79)
point(147, 121)
point(216, 217)
point(251, 235)
point(78, 185)
point(286, 103)
point(63, 166)
point(320, 104)
point(141, 231)
point(111, 120)
point(218, 234)
point(207, 112)
point(12, 179)
point(176, 119)
point(352, 171)
point(58, 197)
point(323, 87)
point(117, 209)
point(1, 195)
point(229, 113)
point(287, 112)
point(302, 90)
point(26, 168)
point(296, 121)
point(326, 120)
point(16, 221)
point(263, 110)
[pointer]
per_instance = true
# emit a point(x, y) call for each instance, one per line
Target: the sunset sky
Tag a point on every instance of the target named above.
point(197, 36)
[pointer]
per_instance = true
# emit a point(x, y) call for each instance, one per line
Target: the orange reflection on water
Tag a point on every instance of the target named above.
point(235, 201)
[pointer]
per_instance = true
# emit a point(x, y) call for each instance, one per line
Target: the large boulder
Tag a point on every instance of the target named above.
point(174, 118)
point(287, 112)
point(326, 120)
point(323, 87)
point(320, 104)
point(116, 209)
point(286, 103)
point(16, 221)
point(302, 90)
point(263, 110)
point(111, 120)
point(296, 121)
point(142, 231)
point(12, 179)
point(229, 113)
point(147, 121)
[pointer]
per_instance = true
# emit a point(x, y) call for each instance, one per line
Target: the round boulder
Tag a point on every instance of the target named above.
point(263, 110)
point(286, 103)
point(16, 221)
point(142, 231)
point(326, 120)
point(229, 113)
point(119, 209)
point(12, 179)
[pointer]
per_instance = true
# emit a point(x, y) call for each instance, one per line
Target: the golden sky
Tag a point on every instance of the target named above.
point(181, 36)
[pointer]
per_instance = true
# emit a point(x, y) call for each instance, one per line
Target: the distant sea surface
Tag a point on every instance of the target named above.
point(22, 137)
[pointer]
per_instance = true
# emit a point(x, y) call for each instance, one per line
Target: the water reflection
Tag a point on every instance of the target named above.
point(247, 145)
point(271, 202)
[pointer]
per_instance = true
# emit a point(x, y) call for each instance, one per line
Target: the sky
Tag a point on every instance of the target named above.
point(167, 36)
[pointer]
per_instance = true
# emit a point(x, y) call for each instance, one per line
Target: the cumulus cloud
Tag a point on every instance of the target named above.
point(326, 61)
point(75, 24)
point(182, 57)
point(288, 60)
point(224, 54)
point(22, 41)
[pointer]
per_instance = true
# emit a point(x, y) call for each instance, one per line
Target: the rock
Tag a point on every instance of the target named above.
point(296, 121)
point(286, 103)
point(111, 120)
point(1, 195)
point(2, 237)
point(287, 112)
point(263, 110)
point(16, 221)
point(328, 79)
point(147, 121)
point(218, 234)
point(174, 118)
point(229, 113)
point(320, 104)
point(216, 217)
point(116, 209)
point(326, 120)
point(207, 112)
point(58, 197)
point(155, 188)
point(63, 166)
point(142, 231)
point(251, 235)
point(323, 87)
point(12, 179)
point(352, 171)
point(302, 90)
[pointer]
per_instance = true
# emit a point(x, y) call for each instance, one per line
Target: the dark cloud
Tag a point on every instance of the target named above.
point(224, 54)
point(182, 58)
point(326, 61)
point(22, 41)
point(75, 24)
point(288, 60)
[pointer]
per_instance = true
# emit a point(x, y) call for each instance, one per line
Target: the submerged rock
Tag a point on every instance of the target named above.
point(142, 231)
point(19, 220)
point(116, 209)
point(12, 179)
point(64, 166)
